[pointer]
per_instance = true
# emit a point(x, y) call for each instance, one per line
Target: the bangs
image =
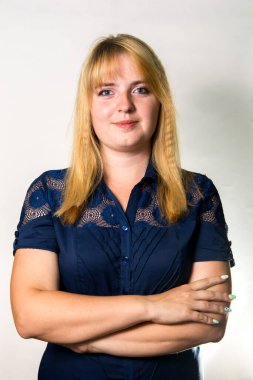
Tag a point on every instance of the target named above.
point(103, 65)
point(106, 67)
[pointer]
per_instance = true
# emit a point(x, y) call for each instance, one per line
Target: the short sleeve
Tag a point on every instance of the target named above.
point(212, 242)
point(35, 228)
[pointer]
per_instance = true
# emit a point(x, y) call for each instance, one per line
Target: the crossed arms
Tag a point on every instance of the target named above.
point(159, 324)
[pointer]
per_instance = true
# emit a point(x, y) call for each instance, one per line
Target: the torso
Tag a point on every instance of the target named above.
point(114, 250)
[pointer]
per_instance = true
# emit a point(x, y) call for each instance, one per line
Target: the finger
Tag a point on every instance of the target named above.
point(203, 318)
point(209, 295)
point(206, 283)
point(210, 307)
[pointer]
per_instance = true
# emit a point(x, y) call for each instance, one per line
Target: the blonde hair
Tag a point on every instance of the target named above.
point(86, 169)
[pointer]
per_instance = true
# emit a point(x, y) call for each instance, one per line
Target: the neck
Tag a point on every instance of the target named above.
point(124, 167)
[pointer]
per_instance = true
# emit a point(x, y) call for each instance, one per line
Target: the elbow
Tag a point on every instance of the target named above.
point(23, 333)
point(27, 316)
point(22, 327)
point(30, 327)
point(26, 324)
point(218, 334)
point(26, 321)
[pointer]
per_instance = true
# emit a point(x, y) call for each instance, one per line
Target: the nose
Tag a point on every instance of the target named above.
point(125, 103)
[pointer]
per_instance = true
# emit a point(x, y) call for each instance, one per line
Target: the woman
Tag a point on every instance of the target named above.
point(122, 261)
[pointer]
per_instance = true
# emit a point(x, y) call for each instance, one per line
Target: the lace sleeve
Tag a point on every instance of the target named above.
point(212, 238)
point(35, 228)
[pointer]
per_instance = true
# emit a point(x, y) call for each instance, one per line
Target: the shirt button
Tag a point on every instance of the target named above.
point(125, 259)
point(124, 228)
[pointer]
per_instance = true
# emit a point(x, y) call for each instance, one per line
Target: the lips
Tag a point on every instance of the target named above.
point(125, 123)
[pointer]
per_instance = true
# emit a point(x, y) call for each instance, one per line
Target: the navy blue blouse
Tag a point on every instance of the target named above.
point(112, 252)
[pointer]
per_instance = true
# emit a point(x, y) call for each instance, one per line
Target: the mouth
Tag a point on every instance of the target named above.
point(125, 123)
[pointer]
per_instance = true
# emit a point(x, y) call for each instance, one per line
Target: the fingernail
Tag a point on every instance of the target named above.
point(227, 309)
point(216, 322)
point(224, 276)
point(232, 297)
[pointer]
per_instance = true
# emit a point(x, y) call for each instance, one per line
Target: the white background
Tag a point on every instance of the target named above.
point(206, 47)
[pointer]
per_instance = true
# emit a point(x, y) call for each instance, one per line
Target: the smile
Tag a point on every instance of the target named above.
point(125, 123)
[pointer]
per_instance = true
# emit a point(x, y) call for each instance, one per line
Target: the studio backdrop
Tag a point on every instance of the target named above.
point(206, 48)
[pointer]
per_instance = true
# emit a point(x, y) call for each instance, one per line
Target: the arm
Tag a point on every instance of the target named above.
point(43, 312)
point(150, 339)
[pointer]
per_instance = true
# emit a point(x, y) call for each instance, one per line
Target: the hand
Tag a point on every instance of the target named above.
point(189, 303)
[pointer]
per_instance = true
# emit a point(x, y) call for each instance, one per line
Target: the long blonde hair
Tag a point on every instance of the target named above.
point(86, 169)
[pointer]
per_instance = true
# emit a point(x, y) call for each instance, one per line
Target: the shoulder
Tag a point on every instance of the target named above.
point(50, 175)
point(197, 182)
point(51, 179)
point(201, 193)
point(47, 188)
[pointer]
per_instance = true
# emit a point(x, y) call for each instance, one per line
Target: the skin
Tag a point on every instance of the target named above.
point(125, 149)
point(151, 339)
point(120, 325)
point(125, 97)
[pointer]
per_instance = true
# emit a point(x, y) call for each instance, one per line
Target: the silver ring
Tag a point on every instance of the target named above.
point(227, 309)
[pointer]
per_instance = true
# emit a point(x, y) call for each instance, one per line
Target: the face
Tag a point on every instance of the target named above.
point(124, 111)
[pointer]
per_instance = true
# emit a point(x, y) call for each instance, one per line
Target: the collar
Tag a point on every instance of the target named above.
point(151, 172)
point(150, 175)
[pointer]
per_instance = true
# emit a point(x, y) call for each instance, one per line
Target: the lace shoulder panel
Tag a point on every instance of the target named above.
point(202, 193)
point(101, 211)
point(150, 213)
point(43, 195)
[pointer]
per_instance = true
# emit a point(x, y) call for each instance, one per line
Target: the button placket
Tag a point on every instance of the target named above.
point(125, 245)
point(125, 251)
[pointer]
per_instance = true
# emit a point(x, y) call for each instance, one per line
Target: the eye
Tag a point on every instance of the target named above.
point(141, 90)
point(105, 92)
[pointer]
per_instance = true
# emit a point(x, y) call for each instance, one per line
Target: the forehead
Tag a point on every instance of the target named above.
point(118, 65)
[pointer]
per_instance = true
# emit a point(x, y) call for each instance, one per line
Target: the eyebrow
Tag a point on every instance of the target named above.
point(108, 84)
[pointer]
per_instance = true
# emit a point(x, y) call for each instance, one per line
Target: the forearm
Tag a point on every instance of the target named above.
point(41, 311)
point(61, 317)
point(152, 339)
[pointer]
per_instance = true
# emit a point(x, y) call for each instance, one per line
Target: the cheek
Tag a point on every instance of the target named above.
point(101, 113)
point(151, 113)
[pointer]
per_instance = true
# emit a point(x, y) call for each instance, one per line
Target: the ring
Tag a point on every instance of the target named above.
point(227, 309)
